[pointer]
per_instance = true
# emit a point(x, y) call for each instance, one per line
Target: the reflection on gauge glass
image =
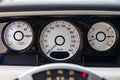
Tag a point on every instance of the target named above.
point(18, 35)
point(60, 40)
point(102, 36)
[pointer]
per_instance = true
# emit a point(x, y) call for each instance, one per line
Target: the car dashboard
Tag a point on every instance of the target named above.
point(38, 33)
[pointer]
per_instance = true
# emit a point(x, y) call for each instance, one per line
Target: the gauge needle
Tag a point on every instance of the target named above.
point(110, 36)
point(92, 39)
point(51, 48)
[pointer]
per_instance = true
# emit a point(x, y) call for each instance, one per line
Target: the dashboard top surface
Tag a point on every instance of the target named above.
point(43, 5)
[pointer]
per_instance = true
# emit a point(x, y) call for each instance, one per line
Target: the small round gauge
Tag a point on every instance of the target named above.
point(60, 40)
point(102, 36)
point(18, 35)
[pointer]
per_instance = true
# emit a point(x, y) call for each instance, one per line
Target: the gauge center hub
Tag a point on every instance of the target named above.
point(101, 36)
point(59, 40)
point(18, 35)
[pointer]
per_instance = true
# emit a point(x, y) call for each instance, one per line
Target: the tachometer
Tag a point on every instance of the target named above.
point(60, 40)
point(102, 36)
point(18, 35)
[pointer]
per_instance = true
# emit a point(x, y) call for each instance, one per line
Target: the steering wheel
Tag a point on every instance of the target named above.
point(60, 71)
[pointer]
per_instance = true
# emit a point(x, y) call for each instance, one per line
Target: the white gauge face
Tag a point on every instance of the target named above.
point(102, 36)
point(18, 35)
point(60, 40)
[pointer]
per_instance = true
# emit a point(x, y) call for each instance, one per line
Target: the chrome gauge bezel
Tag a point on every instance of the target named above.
point(13, 50)
point(116, 33)
point(66, 59)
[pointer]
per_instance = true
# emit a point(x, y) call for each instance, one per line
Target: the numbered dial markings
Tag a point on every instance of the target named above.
point(102, 36)
point(60, 40)
point(18, 35)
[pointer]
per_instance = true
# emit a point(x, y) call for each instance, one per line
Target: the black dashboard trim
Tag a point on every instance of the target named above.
point(53, 7)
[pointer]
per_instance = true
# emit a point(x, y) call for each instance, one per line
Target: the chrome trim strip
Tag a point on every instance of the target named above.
point(59, 12)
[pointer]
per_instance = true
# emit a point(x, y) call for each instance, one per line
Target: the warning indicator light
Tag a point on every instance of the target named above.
point(84, 75)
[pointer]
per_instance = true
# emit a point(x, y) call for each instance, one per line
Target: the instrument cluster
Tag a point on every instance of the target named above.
point(60, 39)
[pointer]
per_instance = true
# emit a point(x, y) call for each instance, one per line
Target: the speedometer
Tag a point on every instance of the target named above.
point(60, 40)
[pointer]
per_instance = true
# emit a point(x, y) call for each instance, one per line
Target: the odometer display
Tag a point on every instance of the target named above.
point(60, 40)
